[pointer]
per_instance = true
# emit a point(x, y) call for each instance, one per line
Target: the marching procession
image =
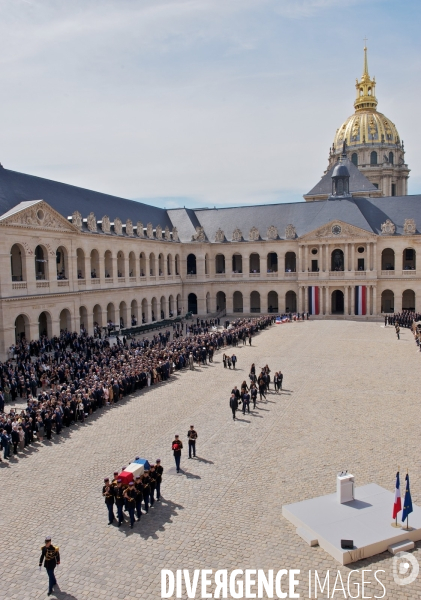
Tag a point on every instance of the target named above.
point(258, 384)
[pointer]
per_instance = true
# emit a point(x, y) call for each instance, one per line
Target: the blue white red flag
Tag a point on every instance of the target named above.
point(313, 300)
point(397, 505)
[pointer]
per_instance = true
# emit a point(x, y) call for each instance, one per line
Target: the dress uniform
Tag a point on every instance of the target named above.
point(177, 446)
point(146, 483)
point(139, 496)
point(159, 472)
point(152, 477)
point(119, 500)
point(50, 556)
point(108, 493)
point(192, 437)
point(130, 495)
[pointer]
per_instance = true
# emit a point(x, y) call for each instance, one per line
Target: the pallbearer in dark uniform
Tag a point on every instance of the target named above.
point(146, 483)
point(139, 496)
point(50, 556)
point(130, 496)
point(159, 470)
point(152, 477)
point(119, 500)
point(108, 493)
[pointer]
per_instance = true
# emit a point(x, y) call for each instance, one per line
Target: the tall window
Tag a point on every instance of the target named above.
point(354, 158)
point(391, 158)
point(373, 158)
point(393, 189)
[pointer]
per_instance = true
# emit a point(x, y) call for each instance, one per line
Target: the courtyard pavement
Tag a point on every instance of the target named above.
point(351, 401)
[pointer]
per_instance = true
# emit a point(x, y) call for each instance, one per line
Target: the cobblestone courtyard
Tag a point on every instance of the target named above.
point(350, 401)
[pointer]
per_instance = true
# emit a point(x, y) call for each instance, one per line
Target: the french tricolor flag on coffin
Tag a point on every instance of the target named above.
point(360, 299)
point(313, 299)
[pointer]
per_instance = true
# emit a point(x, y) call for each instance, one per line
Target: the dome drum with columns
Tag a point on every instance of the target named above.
point(372, 141)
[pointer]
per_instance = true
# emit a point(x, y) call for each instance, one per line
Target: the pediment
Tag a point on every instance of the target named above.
point(37, 214)
point(335, 230)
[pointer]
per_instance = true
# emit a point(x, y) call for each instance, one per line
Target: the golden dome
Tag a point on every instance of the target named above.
point(366, 127)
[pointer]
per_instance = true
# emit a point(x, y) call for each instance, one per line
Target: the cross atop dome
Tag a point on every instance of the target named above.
point(366, 87)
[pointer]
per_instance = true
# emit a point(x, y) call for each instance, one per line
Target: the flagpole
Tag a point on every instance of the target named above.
point(395, 524)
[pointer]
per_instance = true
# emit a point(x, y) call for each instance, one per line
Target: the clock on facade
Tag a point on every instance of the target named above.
point(336, 229)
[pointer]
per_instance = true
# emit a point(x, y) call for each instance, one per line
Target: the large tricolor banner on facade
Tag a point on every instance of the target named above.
point(313, 300)
point(360, 299)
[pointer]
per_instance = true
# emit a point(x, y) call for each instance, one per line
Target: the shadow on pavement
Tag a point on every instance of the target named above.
point(149, 524)
point(203, 460)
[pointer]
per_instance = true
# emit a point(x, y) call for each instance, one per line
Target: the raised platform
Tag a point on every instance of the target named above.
point(365, 520)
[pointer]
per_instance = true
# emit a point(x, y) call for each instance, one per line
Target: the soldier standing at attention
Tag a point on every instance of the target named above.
point(176, 446)
point(192, 437)
point(51, 557)
point(159, 472)
point(108, 493)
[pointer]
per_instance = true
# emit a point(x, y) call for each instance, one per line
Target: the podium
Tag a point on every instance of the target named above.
point(345, 488)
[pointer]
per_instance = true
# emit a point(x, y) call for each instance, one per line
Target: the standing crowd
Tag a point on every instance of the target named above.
point(68, 378)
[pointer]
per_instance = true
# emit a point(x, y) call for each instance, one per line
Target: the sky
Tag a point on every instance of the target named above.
point(199, 102)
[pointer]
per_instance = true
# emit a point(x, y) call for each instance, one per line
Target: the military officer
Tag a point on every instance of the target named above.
point(192, 437)
point(130, 495)
point(152, 477)
point(50, 556)
point(139, 496)
point(146, 483)
point(108, 493)
point(119, 500)
point(159, 470)
point(177, 446)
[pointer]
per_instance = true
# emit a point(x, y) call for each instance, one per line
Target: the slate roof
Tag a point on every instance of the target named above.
point(358, 182)
point(366, 213)
point(18, 187)
point(304, 216)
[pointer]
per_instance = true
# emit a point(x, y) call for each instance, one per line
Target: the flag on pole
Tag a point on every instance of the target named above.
point(397, 505)
point(313, 300)
point(360, 299)
point(407, 503)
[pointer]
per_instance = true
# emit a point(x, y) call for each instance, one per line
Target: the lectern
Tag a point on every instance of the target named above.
point(345, 488)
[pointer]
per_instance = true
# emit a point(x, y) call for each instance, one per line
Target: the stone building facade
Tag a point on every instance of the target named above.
point(71, 257)
point(58, 273)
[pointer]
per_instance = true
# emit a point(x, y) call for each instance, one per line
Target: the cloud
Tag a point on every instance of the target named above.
point(195, 101)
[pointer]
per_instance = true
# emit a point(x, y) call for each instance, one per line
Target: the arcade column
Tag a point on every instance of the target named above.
point(374, 300)
point(352, 299)
point(346, 300)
